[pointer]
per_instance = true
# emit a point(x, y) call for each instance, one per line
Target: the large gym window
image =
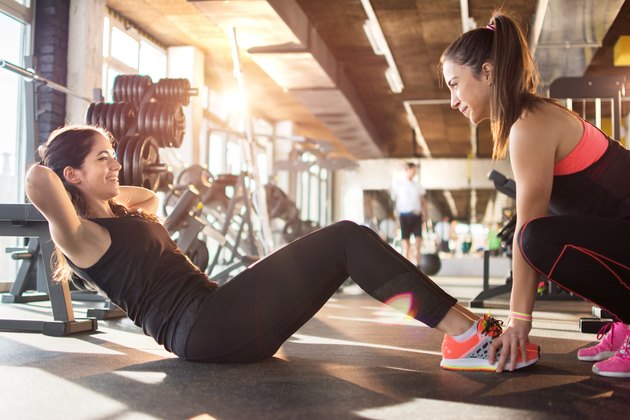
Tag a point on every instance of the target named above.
point(14, 26)
point(126, 50)
point(314, 191)
point(11, 49)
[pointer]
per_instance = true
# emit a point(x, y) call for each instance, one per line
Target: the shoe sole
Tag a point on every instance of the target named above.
point(598, 357)
point(611, 374)
point(479, 364)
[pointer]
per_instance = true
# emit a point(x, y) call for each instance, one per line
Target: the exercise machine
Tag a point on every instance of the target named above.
point(23, 220)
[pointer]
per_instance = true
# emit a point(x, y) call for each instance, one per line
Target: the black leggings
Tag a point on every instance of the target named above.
point(249, 318)
point(587, 255)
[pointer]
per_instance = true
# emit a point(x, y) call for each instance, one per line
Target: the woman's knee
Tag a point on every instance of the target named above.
point(344, 228)
point(534, 239)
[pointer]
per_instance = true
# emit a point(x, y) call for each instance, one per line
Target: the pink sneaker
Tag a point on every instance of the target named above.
point(614, 335)
point(617, 366)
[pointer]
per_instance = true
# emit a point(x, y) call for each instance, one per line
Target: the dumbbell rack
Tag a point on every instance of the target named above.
point(23, 220)
point(143, 118)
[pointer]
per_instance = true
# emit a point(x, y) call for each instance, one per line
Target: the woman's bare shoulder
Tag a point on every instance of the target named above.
point(86, 246)
point(544, 123)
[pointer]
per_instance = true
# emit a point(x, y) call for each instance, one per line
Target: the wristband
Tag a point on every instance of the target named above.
point(521, 316)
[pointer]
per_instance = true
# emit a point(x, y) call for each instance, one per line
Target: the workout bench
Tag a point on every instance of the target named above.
point(23, 220)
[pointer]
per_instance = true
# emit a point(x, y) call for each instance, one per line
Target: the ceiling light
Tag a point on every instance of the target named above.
point(394, 80)
point(375, 36)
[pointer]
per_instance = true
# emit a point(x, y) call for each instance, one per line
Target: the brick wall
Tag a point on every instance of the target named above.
point(51, 53)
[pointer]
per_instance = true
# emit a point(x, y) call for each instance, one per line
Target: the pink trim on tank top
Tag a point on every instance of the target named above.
point(591, 147)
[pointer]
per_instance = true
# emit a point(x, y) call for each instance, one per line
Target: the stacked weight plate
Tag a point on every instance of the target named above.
point(143, 118)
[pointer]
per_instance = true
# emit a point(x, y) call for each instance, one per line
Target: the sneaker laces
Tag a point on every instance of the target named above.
point(624, 351)
point(607, 328)
point(491, 326)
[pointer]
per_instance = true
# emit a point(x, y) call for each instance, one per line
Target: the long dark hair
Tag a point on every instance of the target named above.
point(515, 77)
point(68, 146)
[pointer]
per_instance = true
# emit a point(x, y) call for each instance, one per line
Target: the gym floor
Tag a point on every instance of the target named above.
point(355, 359)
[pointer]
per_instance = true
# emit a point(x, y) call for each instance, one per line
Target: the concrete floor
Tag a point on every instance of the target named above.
point(355, 359)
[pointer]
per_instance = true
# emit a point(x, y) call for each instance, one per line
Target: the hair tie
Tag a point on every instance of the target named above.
point(490, 26)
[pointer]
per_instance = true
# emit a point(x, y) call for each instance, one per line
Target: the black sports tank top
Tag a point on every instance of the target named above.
point(601, 189)
point(145, 274)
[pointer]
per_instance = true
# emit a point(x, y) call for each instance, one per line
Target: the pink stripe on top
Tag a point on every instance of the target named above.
point(591, 147)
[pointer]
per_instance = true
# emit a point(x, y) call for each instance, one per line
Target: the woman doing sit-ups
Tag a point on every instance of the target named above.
point(106, 234)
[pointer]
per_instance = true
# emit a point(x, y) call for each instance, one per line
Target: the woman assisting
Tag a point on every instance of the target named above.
point(562, 165)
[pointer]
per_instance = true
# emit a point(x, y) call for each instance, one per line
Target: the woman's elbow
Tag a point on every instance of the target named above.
point(40, 181)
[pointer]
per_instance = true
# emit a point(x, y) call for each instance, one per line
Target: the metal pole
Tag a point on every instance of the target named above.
point(260, 198)
point(32, 76)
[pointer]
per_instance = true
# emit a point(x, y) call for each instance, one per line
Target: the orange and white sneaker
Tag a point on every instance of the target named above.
point(473, 353)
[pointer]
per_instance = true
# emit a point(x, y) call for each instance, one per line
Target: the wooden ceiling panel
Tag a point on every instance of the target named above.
point(417, 32)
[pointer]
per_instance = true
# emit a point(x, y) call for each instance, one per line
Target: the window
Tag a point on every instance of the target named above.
point(14, 26)
point(127, 51)
point(12, 34)
point(314, 192)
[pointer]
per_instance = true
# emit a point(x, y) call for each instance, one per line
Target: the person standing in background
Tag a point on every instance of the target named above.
point(443, 231)
point(411, 207)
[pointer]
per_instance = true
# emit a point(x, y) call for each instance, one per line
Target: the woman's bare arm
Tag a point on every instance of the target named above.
point(532, 153)
point(45, 190)
point(137, 198)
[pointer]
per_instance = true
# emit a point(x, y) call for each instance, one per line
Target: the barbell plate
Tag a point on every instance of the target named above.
point(186, 92)
point(118, 124)
point(162, 117)
point(130, 118)
point(128, 166)
point(142, 111)
point(96, 113)
point(146, 153)
point(120, 156)
point(88, 114)
point(137, 161)
point(179, 127)
point(110, 119)
point(117, 88)
point(103, 117)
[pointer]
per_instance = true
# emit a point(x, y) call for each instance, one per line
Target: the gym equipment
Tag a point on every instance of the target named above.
point(281, 207)
point(551, 291)
point(184, 220)
point(234, 222)
point(592, 88)
point(140, 161)
point(32, 76)
point(23, 220)
point(430, 264)
point(164, 121)
point(593, 325)
point(279, 204)
point(143, 118)
point(229, 226)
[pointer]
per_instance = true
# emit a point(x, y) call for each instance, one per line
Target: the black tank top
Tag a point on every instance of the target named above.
point(145, 274)
point(602, 189)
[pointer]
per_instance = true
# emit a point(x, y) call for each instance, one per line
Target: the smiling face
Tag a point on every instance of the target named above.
point(98, 176)
point(469, 94)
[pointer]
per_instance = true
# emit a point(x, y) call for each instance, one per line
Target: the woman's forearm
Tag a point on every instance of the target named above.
point(524, 282)
point(137, 198)
point(41, 183)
